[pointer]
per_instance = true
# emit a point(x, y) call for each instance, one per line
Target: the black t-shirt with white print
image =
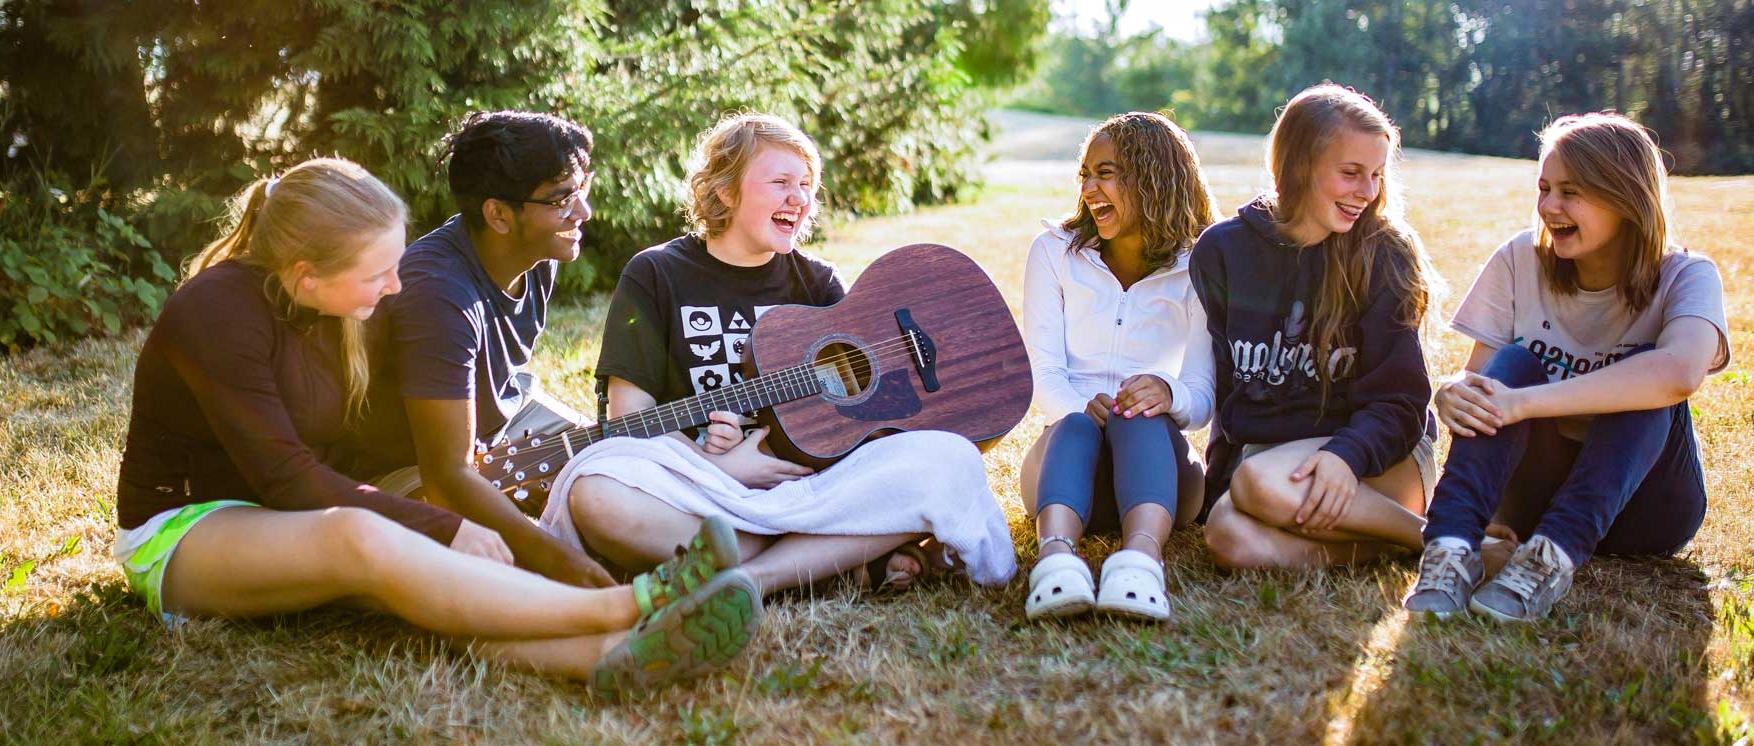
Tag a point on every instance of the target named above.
point(679, 321)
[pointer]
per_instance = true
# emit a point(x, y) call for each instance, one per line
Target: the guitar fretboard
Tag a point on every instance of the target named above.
point(781, 386)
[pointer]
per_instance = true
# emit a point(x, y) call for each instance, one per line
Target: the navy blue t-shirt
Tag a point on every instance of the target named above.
point(454, 334)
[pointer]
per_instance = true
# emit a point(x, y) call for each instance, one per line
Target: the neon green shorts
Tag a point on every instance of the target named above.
point(145, 551)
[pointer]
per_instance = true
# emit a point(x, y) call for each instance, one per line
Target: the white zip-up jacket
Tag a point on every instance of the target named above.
point(1086, 335)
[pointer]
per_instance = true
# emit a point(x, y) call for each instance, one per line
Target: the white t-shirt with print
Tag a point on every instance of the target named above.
point(1511, 303)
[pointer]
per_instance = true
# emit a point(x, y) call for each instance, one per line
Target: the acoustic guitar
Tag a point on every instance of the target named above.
point(923, 341)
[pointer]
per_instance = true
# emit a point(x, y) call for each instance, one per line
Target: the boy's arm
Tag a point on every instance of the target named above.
point(444, 442)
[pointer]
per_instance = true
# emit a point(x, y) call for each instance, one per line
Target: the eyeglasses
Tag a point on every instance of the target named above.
point(567, 204)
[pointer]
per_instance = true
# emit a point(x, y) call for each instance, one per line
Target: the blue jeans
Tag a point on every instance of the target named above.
point(1129, 463)
point(1633, 486)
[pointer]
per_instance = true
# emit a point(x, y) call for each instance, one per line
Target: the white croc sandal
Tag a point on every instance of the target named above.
point(1059, 586)
point(1132, 585)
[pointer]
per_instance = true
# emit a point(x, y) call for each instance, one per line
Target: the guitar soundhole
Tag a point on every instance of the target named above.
point(843, 370)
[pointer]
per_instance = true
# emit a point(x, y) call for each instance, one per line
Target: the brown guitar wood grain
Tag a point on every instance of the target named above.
point(982, 365)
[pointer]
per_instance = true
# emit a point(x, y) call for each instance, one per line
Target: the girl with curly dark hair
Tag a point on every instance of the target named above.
point(1123, 365)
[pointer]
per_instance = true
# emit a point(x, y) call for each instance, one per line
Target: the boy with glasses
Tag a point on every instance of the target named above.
point(459, 338)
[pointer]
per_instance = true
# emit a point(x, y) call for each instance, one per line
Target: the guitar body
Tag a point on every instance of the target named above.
point(923, 341)
point(982, 385)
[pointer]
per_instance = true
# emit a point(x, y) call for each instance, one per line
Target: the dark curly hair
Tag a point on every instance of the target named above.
point(1159, 166)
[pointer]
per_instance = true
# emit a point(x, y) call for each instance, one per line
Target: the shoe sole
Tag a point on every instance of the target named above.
point(1142, 612)
point(700, 632)
point(1064, 609)
point(1494, 614)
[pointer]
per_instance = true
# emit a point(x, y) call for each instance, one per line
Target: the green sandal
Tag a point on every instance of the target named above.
point(698, 632)
point(711, 550)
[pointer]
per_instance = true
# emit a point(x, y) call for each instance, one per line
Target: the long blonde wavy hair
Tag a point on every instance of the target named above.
point(1310, 123)
point(1159, 167)
point(321, 212)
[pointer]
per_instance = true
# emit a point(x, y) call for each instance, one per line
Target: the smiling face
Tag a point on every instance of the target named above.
point(549, 232)
point(1581, 227)
point(1346, 179)
point(1109, 201)
point(775, 200)
point(354, 292)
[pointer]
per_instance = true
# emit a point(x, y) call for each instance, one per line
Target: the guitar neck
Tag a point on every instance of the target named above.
point(756, 393)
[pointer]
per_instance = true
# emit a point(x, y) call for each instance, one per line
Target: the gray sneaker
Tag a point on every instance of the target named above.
point(1536, 576)
point(1447, 576)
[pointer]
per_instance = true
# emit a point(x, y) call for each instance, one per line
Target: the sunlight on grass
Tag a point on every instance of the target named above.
point(1374, 665)
point(1641, 651)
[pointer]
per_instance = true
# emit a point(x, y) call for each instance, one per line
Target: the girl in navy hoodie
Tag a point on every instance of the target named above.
point(1322, 448)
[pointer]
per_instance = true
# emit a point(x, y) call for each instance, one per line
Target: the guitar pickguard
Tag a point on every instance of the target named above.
point(895, 398)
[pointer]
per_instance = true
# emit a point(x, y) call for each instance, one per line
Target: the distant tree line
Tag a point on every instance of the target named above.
point(1477, 76)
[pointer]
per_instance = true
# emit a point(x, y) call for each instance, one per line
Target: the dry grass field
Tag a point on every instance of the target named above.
point(1641, 651)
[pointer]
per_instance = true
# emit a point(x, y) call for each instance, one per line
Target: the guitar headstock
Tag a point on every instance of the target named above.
point(522, 467)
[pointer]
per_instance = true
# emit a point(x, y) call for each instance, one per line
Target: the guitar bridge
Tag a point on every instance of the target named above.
point(920, 348)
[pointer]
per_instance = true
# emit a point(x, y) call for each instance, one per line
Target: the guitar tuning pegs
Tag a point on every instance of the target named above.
point(521, 494)
point(542, 467)
point(546, 486)
point(486, 458)
point(534, 442)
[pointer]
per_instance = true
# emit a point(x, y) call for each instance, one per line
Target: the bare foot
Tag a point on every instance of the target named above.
point(900, 568)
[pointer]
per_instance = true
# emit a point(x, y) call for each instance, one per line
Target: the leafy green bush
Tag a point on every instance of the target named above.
point(69, 267)
point(196, 100)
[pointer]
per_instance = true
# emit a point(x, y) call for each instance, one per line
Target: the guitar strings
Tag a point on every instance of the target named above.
point(797, 375)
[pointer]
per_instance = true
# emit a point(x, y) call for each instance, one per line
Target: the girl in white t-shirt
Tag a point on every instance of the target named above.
point(1571, 421)
point(1123, 365)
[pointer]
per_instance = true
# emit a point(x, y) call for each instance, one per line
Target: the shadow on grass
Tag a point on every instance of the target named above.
point(1622, 658)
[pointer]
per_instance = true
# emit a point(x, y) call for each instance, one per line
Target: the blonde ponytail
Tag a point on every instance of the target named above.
point(321, 212)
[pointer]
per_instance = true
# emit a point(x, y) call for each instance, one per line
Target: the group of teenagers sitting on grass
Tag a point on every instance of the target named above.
point(307, 406)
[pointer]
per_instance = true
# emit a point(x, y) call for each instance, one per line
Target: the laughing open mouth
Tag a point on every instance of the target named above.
point(1562, 230)
point(1102, 211)
point(787, 221)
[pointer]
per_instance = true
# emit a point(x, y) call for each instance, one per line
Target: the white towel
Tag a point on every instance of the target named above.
point(919, 482)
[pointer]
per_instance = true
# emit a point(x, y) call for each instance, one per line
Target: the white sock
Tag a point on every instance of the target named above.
point(1452, 542)
point(1559, 550)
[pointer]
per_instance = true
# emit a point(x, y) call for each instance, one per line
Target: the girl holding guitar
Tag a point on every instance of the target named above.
point(1123, 365)
point(679, 326)
point(232, 499)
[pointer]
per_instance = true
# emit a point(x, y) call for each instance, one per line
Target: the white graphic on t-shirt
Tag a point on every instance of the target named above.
point(709, 378)
point(706, 351)
point(700, 321)
point(762, 310)
point(1556, 360)
point(1274, 362)
point(737, 323)
point(736, 375)
point(734, 347)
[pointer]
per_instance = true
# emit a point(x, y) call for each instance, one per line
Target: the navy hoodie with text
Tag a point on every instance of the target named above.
point(1258, 288)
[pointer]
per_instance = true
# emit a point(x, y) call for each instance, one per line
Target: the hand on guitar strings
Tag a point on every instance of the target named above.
point(724, 432)
point(755, 469)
